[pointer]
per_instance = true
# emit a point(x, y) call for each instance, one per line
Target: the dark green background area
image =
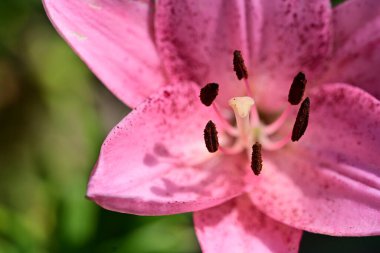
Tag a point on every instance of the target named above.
point(54, 115)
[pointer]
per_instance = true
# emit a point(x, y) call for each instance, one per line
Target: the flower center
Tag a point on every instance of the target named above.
point(250, 134)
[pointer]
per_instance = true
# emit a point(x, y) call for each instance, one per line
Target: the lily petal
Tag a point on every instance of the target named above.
point(237, 226)
point(351, 16)
point(196, 40)
point(329, 182)
point(295, 37)
point(357, 60)
point(155, 162)
point(114, 38)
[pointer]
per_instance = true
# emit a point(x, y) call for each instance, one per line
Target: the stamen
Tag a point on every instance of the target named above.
point(248, 88)
point(209, 93)
point(274, 145)
point(239, 66)
point(224, 123)
point(302, 120)
point(279, 122)
point(234, 149)
point(257, 161)
point(211, 137)
point(297, 89)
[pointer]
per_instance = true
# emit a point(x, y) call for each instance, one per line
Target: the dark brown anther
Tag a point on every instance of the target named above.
point(209, 93)
point(256, 160)
point(239, 66)
point(301, 121)
point(297, 89)
point(211, 137)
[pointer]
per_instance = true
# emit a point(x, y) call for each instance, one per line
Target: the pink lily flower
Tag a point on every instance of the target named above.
point(156, 57)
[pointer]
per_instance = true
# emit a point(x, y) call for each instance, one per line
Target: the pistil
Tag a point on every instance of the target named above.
point(250, 134)
point(242, 107)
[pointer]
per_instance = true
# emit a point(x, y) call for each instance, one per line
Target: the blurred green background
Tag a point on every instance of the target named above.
point(54, 115)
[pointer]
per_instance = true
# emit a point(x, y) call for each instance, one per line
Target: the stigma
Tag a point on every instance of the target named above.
point(241, 105)
point(246, 131)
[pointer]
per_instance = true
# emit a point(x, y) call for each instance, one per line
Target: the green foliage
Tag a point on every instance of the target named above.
point(52, 114)
point(336, 2)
